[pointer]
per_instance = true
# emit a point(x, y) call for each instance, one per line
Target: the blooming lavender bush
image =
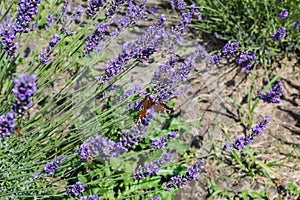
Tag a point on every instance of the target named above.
point(90, 112)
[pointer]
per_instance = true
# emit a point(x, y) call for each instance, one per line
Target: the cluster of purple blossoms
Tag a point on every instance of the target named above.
point(49, 20)
point(240, 142)
point(76, 14)
point(91, 197)
point(131, 138)
point(228, 50)
point(63, 13)
point(114, 7)
point(93, 42)
point(94, 7)
point(283, 14)
point(192, 173)
point(167, 77)
point(52, 166)
point(296, 25)
point(76, 189)
point(273, 96)
point(162, 141)
point(44, 57)
point(6, 124)
point(151, 169)
point(134, 13)
point(279, 35)
point(140, 49)
point(100, 147)
point(8, 37)
point(178, 4)
point(26, 11)
point(23, 88)
point(245, 61)
point(135, 91)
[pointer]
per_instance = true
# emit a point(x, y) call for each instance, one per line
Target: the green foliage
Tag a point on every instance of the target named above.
point(251, 23)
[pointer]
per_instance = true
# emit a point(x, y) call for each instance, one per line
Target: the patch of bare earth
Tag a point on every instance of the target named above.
point(278, 145)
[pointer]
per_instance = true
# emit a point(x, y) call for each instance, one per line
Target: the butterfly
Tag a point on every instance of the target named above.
point(149, 103)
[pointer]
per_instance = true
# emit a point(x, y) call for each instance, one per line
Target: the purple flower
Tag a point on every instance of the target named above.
point(76, 189)
point(178, 4)
point(168, 76)
point(131, 138)
point(63, 16)
point(8, 37)
point(248, 139)
point(195, 11)
point(114, 7)
point(52, 166)
point(100, 148)
point(239, 143)
point(279, 35)
point(296, 25)
point(83, 198)
point(94, 197)
point(259, 128)
point(217, 58)
point(36, 175)
point(83, 151)
point(227, 147)
point(6, 124)
point(25, 15)
point(273, 96)
point(228, 50)
point(140, 49)
point(245, 61)
point(93, 7)
point(93, 42)
point(135, 12)
point(151, 169)
point(283, 14)
point(23, 88)
point(77, 12)
point(192, 173)
point(157, 197)
point(49, 20)
point(44, 57)
point(160, 143)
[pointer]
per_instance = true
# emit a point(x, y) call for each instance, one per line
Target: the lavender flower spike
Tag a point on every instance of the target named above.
point(76, 189)
point(52, 166)
point(100, 147)
point(24, 88)
point(273, 96)
point(160, 143)
point(6, 124)
point(283, 14)
point(260, 127)
point(296, 25)
point(279, 35)
point(8, 37)
point(93, 7)
point(192, 173)
point(245, 61)
point(49, 20)
point(151, 169)
point(25, 15)
point(240, 143)
point(44, 57)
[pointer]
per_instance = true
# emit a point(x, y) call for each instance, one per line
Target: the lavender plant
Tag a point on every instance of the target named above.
point(69, 115)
